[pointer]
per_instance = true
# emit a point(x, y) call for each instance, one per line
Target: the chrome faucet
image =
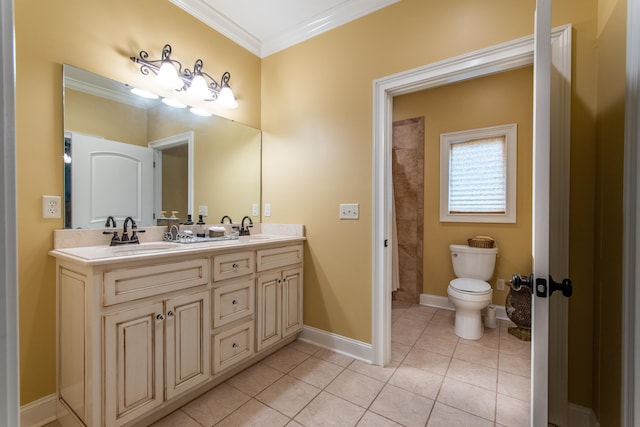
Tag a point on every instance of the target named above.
point(244, 229)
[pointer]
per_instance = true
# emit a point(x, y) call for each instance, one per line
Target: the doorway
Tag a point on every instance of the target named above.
point(510, 55)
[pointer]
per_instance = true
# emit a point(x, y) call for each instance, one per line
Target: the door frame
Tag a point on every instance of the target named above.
point(631, 225)
point(502, 57)
point(9, 343)
point(158, 146)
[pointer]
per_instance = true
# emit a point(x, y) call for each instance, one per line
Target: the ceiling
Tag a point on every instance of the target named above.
point(274, 25)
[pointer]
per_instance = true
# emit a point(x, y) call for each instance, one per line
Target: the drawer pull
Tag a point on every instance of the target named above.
point(234, 346)
point(170, 314)
point(235, 266)
point(234, 302)
point(160, 316)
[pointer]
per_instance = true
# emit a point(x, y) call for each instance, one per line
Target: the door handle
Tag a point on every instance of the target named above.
point(517, 282)
point(566, 286)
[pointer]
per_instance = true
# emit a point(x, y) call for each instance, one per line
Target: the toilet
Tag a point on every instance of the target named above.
point(470, 292)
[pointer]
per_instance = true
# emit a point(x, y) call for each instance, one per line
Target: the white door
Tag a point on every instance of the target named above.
point(110, 178)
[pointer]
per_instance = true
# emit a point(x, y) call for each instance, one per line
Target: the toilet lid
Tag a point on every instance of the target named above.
point(470, 285)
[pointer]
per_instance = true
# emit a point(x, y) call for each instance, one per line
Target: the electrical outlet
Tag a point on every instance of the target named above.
point(349, 211)
point(51, 207)
point(255, 211)
point(203, 210)
point(267, 209)
point(500, 284)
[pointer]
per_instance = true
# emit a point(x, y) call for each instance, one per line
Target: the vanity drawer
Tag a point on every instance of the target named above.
point(129, 284)
point(233, 300)
point(233, 265)
point(232, 346)
point(268, 259)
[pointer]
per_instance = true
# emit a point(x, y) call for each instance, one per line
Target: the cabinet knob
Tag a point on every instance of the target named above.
point(170, 314)
point(234, 346)
point(235, 266)
point(234, 302)
point(160, 316)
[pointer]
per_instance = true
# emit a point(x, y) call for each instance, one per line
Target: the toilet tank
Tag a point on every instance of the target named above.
point(473, 263)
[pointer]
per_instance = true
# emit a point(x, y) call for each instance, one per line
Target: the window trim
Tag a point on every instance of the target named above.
point(510, 134)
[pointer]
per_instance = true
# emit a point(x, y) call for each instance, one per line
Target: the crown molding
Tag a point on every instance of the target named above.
point(214, 19)
point(302, 31)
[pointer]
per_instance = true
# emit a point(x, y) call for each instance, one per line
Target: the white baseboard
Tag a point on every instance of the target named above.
point(581, 416)
point(444, 303)
point(343, 345)
point(39, 412)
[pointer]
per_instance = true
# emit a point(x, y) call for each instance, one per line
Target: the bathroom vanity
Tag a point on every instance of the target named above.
point(143, 329)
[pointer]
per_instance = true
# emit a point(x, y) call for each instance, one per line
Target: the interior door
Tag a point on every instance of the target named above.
point(110, 178)
point(541, 188)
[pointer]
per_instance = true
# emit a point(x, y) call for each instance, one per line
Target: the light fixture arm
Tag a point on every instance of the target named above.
point(153, 65)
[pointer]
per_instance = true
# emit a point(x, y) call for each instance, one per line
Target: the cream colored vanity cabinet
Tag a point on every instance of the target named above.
point(280, 293)
point(233, 296)
point(131, 336)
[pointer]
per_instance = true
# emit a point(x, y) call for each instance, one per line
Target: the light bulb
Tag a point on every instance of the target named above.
point(226, 98)
point(199, 87)
point(173, 103)
point(168, 76)
point(143, 93)
point(200, 112)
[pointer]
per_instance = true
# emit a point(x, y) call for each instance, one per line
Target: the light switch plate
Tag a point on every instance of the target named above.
point(267, 209)
point(203, 210)
point(254, 210)
point(51, 207)
point(349, 211)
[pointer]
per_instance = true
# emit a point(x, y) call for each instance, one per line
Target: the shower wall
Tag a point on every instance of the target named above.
point(408, 188)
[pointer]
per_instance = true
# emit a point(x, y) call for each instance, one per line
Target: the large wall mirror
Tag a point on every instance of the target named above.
point(130, 156)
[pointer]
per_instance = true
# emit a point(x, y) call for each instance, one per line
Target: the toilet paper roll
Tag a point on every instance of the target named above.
point(490, 318)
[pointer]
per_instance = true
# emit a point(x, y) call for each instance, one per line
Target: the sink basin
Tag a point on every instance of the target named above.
point(96, 252)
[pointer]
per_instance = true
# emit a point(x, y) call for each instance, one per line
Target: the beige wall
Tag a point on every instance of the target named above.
point(175, 179)
point(609, 185)
point(98, 36)
point(494, 100)
point(317, 150)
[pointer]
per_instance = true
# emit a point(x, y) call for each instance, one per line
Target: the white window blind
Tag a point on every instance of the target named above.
point(478, 176)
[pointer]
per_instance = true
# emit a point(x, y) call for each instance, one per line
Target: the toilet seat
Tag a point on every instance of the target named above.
point(470, 286)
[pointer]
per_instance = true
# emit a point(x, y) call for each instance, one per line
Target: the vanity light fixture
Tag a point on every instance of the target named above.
point(144, 93)
point(173, 103)
point(197, 83)
point(200, 112)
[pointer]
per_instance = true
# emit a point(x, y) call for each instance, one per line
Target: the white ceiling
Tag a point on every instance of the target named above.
point(268, 26)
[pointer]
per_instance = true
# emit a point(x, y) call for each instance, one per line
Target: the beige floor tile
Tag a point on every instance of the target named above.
point(471, 373)
point(176, 419)
point(411, 321)
point(512, 412)
point(514, 386)
point(329, 410)
point(377, 372)
point(404, 333)
point(216, 404)
point(304, 347)
point(399, 352)
point(490, 339)
point(254, 413)
point(402, 406)
point(333, 357)
point(255, 379)
point(294, 423)
point(427, 360)
point(316, 372)
point(469, 398)
point(417, 314)
point(443, 317)
point(447, 416)
point(514, 364)
point(288, 395)
point(515, 347)
point(356, 388)
point(417, 381)
point(477, 354)
point(286, 359)
point(444, 331)
point(437, 344)
point(371, 419)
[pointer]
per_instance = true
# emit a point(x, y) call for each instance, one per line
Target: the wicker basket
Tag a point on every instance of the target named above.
point(485, 242)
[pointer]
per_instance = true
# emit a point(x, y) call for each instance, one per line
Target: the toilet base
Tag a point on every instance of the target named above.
point(468, 324)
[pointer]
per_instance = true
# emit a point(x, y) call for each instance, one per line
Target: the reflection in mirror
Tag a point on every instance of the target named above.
point(113, 138)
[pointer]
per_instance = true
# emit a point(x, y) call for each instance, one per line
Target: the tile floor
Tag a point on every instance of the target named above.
point(434, 379)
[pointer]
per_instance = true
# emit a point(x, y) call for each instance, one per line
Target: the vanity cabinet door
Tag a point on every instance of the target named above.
point(291, 301)
point(187, 342)
point(269, 309)
point(134, 363)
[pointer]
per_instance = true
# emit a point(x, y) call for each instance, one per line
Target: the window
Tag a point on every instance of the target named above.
point(478, 175)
